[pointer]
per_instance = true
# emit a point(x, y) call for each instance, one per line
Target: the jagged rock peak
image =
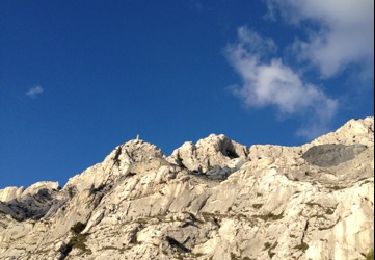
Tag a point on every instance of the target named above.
point(359, 131)
point(209, 153)
point(133, 157)
point(222, 144)
point(17, 193)
point(135, 150)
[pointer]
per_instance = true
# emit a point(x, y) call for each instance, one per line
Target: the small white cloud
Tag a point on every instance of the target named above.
point(269, 82)
point(343, 32)
point(35, 91)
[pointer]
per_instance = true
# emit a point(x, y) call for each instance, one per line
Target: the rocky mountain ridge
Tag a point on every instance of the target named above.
point(215, 199)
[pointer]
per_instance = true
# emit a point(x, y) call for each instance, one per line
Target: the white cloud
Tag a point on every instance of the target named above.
point(342, 35)
point(269, 82)
point(35, 91)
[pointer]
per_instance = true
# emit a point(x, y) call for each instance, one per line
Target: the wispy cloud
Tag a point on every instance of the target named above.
point(269, 82)
point(342, 32)
point(35, 91)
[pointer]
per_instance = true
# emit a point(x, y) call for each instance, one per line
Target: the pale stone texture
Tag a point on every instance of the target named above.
point(215, 199)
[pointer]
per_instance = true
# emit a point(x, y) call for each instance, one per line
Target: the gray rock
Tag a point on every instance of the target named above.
point(332, 154)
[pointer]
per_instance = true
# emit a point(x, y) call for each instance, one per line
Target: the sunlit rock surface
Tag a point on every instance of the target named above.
point(215, 199)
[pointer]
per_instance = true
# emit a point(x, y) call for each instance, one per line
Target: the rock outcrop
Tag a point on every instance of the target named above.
point(215, 199)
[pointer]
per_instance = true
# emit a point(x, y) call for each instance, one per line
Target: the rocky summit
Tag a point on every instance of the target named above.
point(215, 199)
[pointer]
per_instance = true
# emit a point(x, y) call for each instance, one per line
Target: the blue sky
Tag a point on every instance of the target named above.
point(78, 78)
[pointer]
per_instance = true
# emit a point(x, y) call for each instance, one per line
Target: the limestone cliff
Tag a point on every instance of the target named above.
point(215, 199)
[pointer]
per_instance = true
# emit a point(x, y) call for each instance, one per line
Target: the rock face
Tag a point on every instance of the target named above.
point(215, 199)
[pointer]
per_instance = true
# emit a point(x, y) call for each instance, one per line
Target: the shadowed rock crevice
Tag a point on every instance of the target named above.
point(227, 148)
point(34, 206)
point(180, 247)
point(65, 250)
